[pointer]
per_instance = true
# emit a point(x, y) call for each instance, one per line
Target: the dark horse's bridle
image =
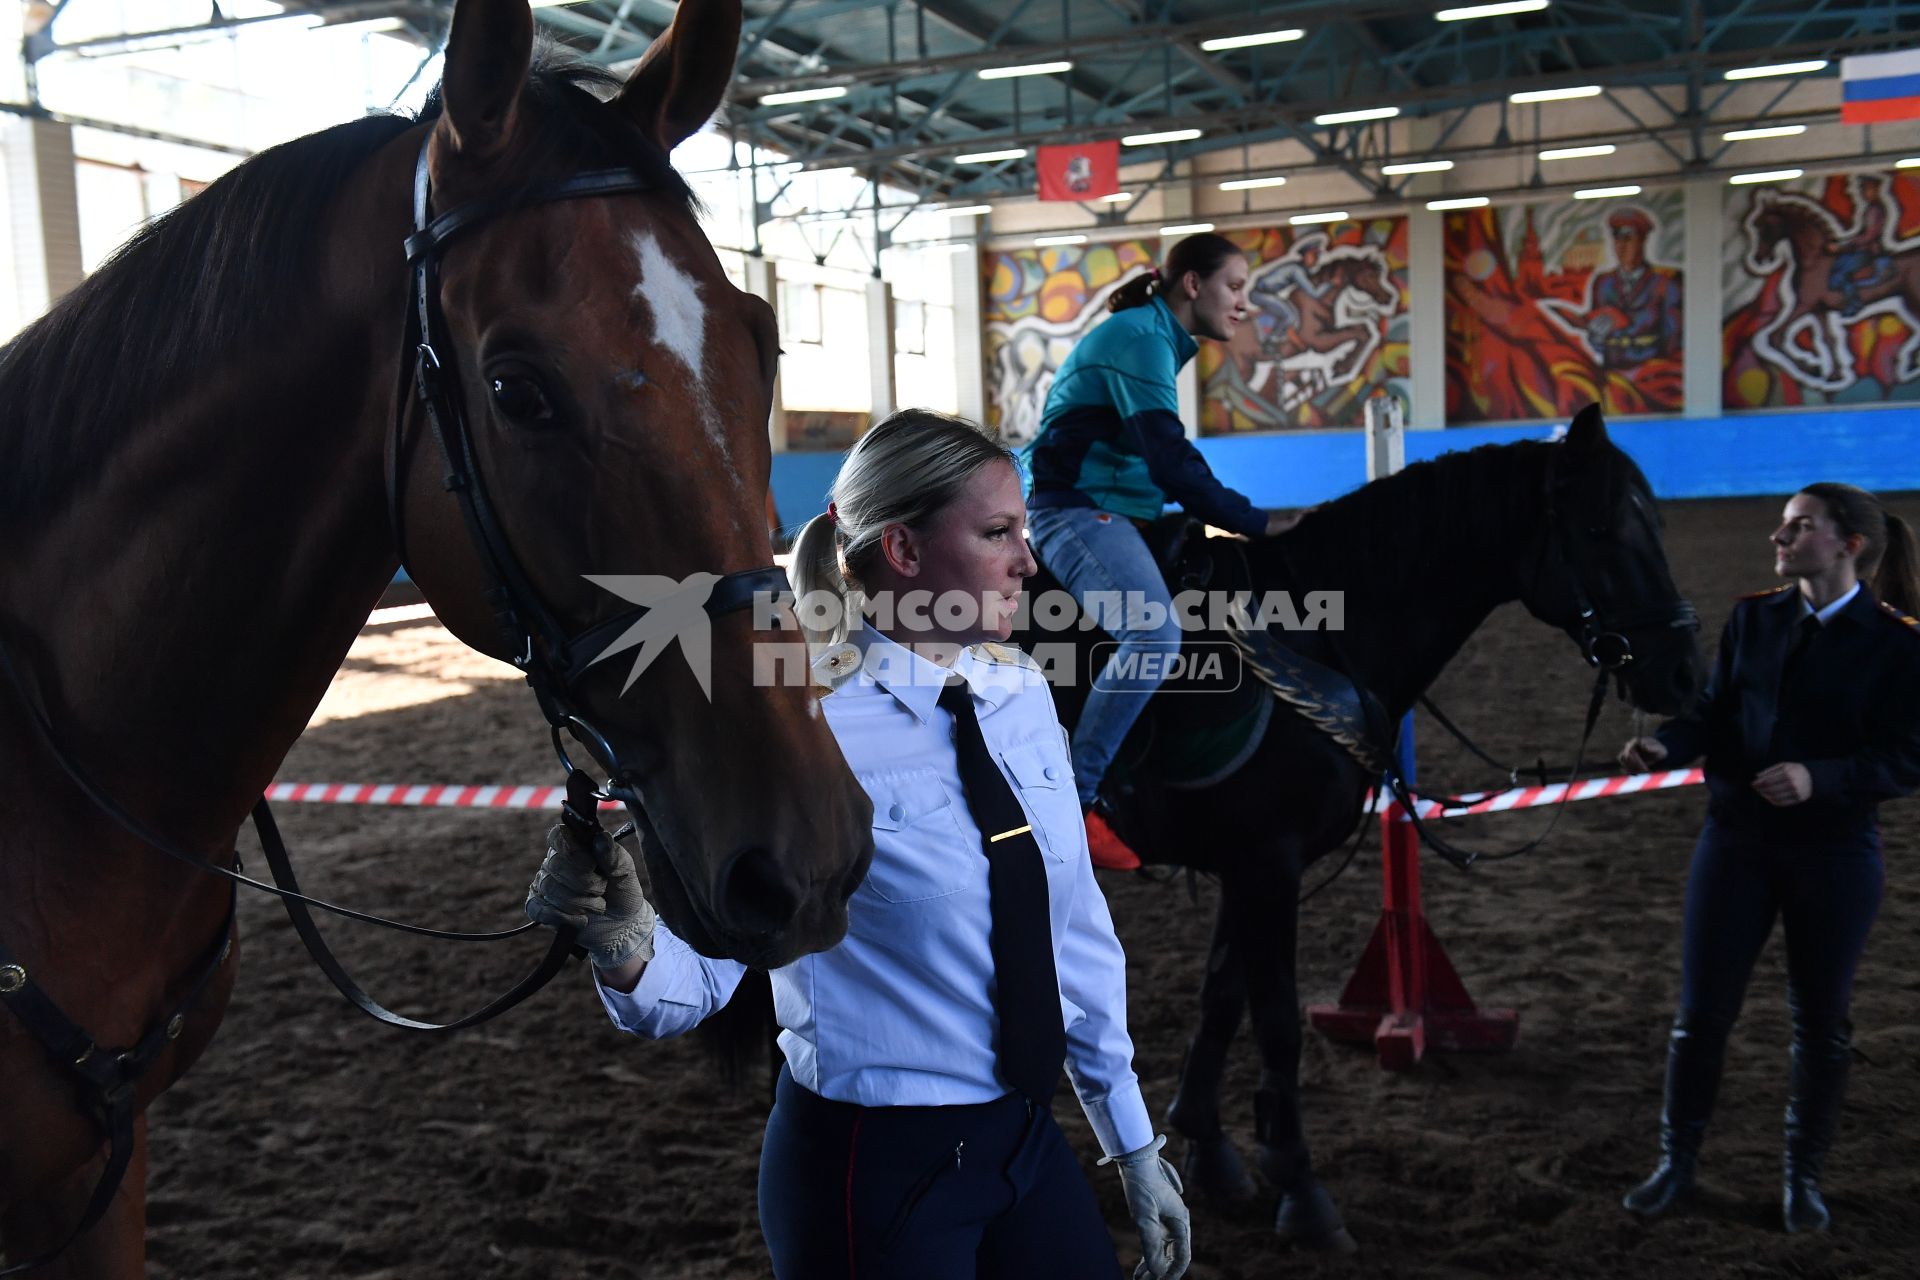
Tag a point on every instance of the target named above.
point(551, 657)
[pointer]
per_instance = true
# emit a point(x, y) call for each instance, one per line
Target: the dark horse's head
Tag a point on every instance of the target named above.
point(1597, 570)
point(618, 389)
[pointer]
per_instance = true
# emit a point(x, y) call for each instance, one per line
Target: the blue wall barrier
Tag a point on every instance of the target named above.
point(1752, 454)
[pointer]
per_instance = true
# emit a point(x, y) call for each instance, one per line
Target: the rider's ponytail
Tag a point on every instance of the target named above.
point(1202, 254)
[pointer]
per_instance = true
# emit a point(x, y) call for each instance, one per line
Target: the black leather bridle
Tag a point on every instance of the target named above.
point(551, 656)
point(1604, 639)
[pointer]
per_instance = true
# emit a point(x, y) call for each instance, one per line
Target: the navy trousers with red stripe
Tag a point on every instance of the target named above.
point(925, 1193)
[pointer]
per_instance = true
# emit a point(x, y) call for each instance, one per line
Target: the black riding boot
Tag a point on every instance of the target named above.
point(1696, 1049)
point(1819, 1082)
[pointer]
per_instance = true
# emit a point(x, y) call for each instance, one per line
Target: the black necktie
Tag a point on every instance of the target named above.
point(1803, 633)
point(1033, 1039)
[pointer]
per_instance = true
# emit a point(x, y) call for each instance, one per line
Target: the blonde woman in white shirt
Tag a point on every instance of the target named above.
point(912, 1133)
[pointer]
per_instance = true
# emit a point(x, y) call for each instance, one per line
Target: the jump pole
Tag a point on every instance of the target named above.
point(1404, 996)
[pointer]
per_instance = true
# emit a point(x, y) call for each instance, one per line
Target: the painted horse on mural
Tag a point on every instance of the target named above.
point(216, 451)
point(1246, 786)
point(1832, 278)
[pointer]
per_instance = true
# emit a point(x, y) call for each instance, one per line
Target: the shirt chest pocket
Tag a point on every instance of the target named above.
point(1044, 776)
point(919, 848)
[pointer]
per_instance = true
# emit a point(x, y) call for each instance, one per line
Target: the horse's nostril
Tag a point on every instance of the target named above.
point(757, 896)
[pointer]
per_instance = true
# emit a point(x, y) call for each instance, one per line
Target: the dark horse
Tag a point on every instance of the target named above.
point(1421, 558)
point(195, 521)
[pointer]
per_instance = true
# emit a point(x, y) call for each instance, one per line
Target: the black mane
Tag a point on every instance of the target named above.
point(230, 269)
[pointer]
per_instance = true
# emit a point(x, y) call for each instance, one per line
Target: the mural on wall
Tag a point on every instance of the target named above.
point(1327, 330)
point(1553, 306)
point(1039, 302)
point(1822, 287)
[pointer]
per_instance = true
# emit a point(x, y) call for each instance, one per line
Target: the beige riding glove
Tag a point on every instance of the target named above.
point(1153, 1198)
point(596, 890)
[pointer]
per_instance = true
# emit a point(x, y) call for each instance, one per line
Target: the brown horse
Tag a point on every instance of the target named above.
point(1808, 339)
point(195, 521)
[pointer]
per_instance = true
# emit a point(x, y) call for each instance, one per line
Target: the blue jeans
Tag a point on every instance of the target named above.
point(1093, 551)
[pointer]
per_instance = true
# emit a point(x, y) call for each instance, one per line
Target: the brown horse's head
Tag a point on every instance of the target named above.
point(617, 388)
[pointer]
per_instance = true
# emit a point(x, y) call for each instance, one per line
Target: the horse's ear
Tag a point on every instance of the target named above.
point(683, 76)
point(488, 52)
point(1588, 430)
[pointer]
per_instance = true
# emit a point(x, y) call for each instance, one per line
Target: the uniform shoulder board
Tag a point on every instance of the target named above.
point(1897, 616)
point(834, 666)
point(1770, 591)
point(1012, 654)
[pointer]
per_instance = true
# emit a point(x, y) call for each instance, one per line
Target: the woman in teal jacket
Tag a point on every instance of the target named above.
point(1110, 454)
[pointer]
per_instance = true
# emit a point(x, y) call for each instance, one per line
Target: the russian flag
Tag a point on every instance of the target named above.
point(1878, 87)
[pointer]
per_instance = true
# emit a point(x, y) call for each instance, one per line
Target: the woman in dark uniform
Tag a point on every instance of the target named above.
point(1812, 717)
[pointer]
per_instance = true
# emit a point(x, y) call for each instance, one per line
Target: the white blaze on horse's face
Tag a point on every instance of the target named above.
point(679, 323)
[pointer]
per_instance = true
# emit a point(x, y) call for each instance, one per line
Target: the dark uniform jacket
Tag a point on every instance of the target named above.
point(1848, 709)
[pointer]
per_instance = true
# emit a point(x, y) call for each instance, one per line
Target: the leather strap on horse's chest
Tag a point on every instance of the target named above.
point(109, 1077)
point(1328, 700)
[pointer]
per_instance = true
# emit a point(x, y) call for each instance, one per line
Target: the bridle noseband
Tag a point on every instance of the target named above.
point(551, 656)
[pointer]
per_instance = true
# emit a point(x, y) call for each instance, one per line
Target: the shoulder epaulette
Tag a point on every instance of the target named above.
point(1011, 654)
point(1898, 616)
point(1770, 591)
point(834, 666)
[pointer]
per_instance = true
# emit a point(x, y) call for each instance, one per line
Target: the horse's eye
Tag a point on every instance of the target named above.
point(522, 400)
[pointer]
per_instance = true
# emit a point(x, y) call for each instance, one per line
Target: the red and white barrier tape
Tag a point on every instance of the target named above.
point(1537, 797)
point(424, 795)
point(451, 796)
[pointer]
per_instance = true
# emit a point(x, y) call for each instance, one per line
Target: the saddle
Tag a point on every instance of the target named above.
point(1186, 741)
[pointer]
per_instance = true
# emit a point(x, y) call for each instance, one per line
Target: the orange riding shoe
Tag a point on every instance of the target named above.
point(1110, 852)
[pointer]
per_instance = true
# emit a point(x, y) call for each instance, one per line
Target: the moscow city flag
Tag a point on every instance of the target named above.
point(1079, 170)
point(1878, 87)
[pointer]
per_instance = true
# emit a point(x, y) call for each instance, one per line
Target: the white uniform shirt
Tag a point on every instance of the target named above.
point(901, 1013)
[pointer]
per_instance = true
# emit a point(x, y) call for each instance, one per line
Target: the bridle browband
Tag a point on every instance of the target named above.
point(548, 654)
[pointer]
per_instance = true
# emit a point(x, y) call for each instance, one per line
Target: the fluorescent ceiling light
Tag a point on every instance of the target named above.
point(1418, 166)
point(1460, 202)
point(1247, 42)
point(804, 95)
point(987, 157)
point(1911, 162)
point(1168, 135)
point(1577, 153)
point(1353, 117)
point(1047, 240)
point(1186, 229)
point(1777, 69)
point(1118, 197)
point(1031, 69)
point(1772, 131)
point(1771, 175)
point(1490, 10)
point(1555, 95)
point(1307, 219)
point(966, 210)
point(1605, 193)
point(1253, 184)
